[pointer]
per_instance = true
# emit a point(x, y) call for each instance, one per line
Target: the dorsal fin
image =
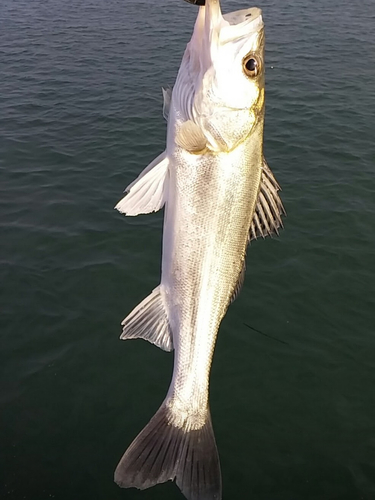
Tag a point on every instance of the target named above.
point(239, 283)
point(267, 216)
point(269, 208)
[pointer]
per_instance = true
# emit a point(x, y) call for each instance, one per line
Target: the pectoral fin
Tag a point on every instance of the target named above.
point(269, 209)
point(191, 138)
point(149, 191)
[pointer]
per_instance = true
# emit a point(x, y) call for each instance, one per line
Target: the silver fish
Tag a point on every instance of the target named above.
point(218, 194)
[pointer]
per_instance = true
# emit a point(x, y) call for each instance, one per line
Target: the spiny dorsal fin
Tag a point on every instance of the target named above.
point(269, 209)
point(167, 97)
point(191, 138)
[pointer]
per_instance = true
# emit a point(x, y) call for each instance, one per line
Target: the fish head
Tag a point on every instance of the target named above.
point(221, 79)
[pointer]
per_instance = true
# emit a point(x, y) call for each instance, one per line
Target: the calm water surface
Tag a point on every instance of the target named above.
point(80, 117)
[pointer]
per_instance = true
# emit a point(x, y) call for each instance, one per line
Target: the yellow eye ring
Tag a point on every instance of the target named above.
point(251, 65)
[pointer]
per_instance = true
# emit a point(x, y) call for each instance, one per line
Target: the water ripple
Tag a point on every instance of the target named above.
point(80, 117)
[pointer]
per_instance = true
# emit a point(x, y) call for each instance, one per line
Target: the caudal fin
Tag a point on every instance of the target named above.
point(163, 452)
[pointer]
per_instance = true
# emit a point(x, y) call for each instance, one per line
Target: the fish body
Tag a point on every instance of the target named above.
point(218, 193)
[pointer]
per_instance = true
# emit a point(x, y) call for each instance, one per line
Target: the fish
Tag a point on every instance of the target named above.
point(218, 193)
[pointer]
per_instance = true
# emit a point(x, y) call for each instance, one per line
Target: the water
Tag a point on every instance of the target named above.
point(80, 116)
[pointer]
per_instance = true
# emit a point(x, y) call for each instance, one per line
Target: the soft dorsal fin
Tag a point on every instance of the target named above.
point(149, 191)
point(167, 97)
point(269, 208)
point(239, 283)
point(191, 138)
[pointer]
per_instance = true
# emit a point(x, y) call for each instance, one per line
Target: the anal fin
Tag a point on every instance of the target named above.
point(269, 209)
point(149, 321)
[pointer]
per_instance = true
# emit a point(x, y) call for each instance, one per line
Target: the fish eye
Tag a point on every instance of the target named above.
point(251, 65)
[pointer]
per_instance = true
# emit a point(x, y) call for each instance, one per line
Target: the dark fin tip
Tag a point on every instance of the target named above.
point(162, 452)
point(197, 2)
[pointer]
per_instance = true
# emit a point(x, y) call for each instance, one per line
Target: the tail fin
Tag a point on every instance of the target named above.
point(163, 452)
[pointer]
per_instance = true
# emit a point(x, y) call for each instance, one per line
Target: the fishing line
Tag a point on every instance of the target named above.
point(266, 335)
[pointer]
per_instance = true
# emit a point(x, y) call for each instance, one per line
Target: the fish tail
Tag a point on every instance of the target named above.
point(163, 452)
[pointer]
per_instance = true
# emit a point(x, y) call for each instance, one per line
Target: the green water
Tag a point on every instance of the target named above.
point(80, 117)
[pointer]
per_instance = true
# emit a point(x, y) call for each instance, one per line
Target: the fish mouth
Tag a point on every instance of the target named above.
point(212, 31)
point(216, 28)
point(238, 17)
point(248, 16)
point(242, 23)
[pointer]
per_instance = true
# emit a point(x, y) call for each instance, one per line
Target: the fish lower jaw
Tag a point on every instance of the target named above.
point(189, 418)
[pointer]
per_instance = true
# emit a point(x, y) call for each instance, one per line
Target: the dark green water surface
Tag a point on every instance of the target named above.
point(80, 117)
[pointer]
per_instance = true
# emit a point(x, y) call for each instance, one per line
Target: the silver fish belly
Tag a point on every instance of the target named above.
point(219, 193)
